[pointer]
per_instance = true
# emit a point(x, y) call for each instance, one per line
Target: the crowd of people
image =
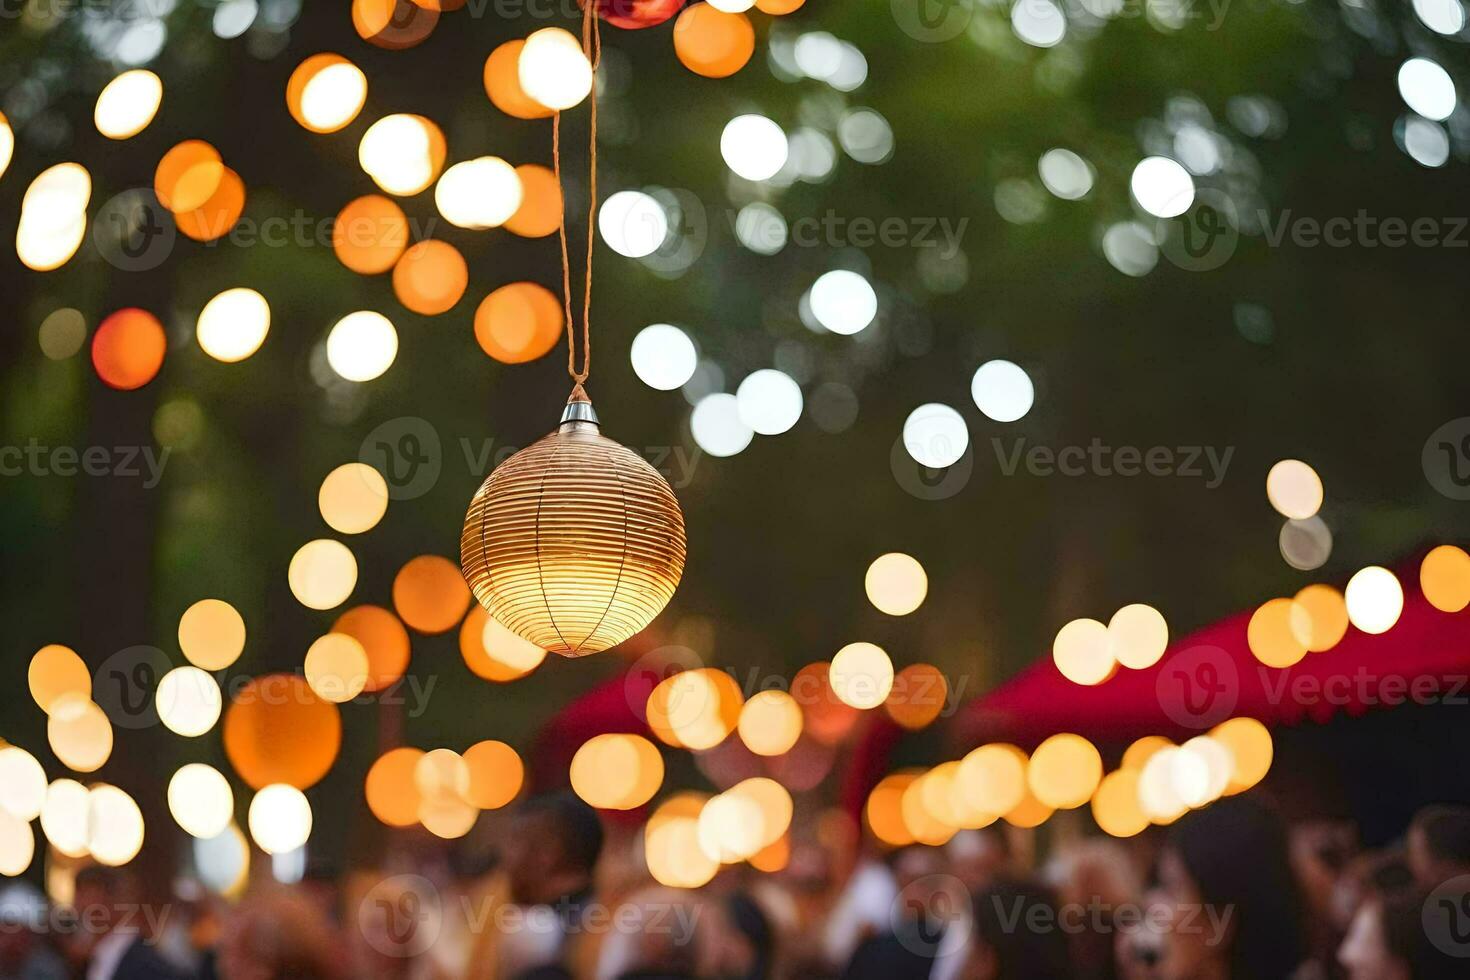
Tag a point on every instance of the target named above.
point(1231, 891)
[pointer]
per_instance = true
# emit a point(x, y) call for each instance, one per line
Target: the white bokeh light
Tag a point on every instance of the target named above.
point(633, 224)
point(1065, 174)
point(843, 302)
point(1162, 187)
point(362, 345)
point(1130, 249)
point(1002, 390)
point(761, 228)
point(818, 54)
point(754, 147)
point(663, 356)
point(717, 426)
point(478, 194)
point(1425, 140)
point(935, 435)
point(865, 136)
point(1441, 16)
point(553, 69)
point(1427, 88)
point(769, 401)
point(1040, 23)
point(234, 17)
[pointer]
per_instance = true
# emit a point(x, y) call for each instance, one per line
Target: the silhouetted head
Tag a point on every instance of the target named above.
point(551, 848)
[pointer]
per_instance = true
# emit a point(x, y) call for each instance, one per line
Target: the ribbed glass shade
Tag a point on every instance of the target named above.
point(574, 543)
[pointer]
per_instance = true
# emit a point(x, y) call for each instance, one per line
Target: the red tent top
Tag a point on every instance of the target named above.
point(1211, 675)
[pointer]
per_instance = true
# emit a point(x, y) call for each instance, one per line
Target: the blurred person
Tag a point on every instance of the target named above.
point(1224, 903)
point(549, 857)
point(25, 953)
point(1094, 874)
point(978, 858)
point(1321, 851)
point(926, 926)
point(861, 909)
point(1017, 936)
point(1439, 844)
point(1365, 874)
point(654, 937)
point(739, 941)
point(116, 940)
point(1390, 940)
point(278, 935)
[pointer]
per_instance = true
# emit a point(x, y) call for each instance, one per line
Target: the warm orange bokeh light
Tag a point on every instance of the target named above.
point(278, 731)
point(1251, 751)
point(917, 697)
point(384, 640)
point(828, 718)
point(503, 83)
point(1138, 754)
point(334, 100)
point(1277, 633)
point(1444, 576)
point(217, 216)
point(519, 322)
point(1064, 771)
point(1116, 807)
point(1030, 812)
point(712, 43)
point(494, 652)
point(79, 733)
point(188, 176)
point(431, 277)
point(778, 8)
point(56, 671)
point(884, 810)
point(541, 204)
point(391, 787)
point(211, 634)
point(430, 594)
point(496, 774)
point(617, 771)
point(393, 24)
point(770, 723)
point(1321, 617)
point(695, 709)
point(370, 234)
point(128, 348)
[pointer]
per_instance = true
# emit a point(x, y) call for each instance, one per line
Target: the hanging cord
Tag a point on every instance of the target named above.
point(592, 48)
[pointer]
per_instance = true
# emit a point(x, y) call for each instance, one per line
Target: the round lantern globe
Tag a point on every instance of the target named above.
point(575, 543)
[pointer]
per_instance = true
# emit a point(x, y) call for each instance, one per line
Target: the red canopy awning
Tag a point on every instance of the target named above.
point(1211, 675)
